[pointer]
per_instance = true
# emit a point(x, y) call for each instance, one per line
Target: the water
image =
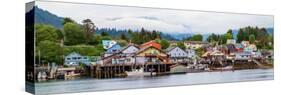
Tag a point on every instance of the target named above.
point(141, 82)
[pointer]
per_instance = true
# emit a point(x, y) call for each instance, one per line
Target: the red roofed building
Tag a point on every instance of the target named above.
point(150, 43)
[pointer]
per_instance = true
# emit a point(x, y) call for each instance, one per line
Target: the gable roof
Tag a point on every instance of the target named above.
point(120, 51)
point(114, 46)
point(169, 49)
point(134, 45)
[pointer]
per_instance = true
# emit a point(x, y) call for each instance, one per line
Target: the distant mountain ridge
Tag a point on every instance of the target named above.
point(44, 17)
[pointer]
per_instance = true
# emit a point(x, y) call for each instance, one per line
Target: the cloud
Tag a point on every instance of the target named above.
point(114, 19)
point(136, 23)
point(170, 21)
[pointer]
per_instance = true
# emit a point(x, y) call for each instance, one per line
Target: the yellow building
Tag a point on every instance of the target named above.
point(151, 54)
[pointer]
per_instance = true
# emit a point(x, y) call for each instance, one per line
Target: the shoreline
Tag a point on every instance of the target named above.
point(156, 75)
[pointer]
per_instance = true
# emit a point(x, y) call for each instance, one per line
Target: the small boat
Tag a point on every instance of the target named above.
point(138, 72)
point(227, 68)
point(44, 75)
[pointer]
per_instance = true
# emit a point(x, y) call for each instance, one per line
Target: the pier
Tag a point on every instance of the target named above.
point(119, 70)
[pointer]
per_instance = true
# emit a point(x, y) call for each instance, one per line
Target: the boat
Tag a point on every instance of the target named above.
point(138, 72)
point(42, 76)
point(227, 68)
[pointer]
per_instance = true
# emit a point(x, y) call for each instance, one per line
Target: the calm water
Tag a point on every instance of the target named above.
point(140, 82)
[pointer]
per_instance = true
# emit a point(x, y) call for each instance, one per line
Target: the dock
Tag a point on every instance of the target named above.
point(119, 70)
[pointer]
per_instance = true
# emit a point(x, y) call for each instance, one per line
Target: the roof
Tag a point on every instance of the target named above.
point(114, 54)
point(108, 43)
point(134, 45)
point(217, 53)
point(213, 53)
point(151, 43)
point(169, 49)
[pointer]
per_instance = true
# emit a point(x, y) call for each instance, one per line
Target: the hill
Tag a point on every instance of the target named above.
point(44, 17)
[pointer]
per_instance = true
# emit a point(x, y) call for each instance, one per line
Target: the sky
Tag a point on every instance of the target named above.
point(164, 20)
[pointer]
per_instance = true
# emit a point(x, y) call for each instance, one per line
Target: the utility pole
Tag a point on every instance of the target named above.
point(39, 57)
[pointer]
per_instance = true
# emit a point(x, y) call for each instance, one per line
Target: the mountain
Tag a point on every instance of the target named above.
point(180, 36)
point(270, 31)
point(44, 17)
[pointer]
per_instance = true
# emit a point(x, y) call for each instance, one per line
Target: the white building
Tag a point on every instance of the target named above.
point(178, 55)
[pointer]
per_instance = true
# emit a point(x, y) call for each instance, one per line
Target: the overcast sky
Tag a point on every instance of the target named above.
point(171, 21)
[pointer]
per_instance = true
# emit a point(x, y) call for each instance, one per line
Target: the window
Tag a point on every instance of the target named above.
point(67, 58)
point(74, 58)
point(78, 57)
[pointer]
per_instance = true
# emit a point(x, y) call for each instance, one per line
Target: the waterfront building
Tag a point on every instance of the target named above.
point(191, 53)
point(112, 50)
point(151, 54)
point(243, 56)
point(126, 55)
point(268, 54)
point(176, 54)
point(257, 55)
point(73, 59)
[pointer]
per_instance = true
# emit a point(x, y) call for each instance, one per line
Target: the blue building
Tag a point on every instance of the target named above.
point(73, 59)
point(112, 50)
